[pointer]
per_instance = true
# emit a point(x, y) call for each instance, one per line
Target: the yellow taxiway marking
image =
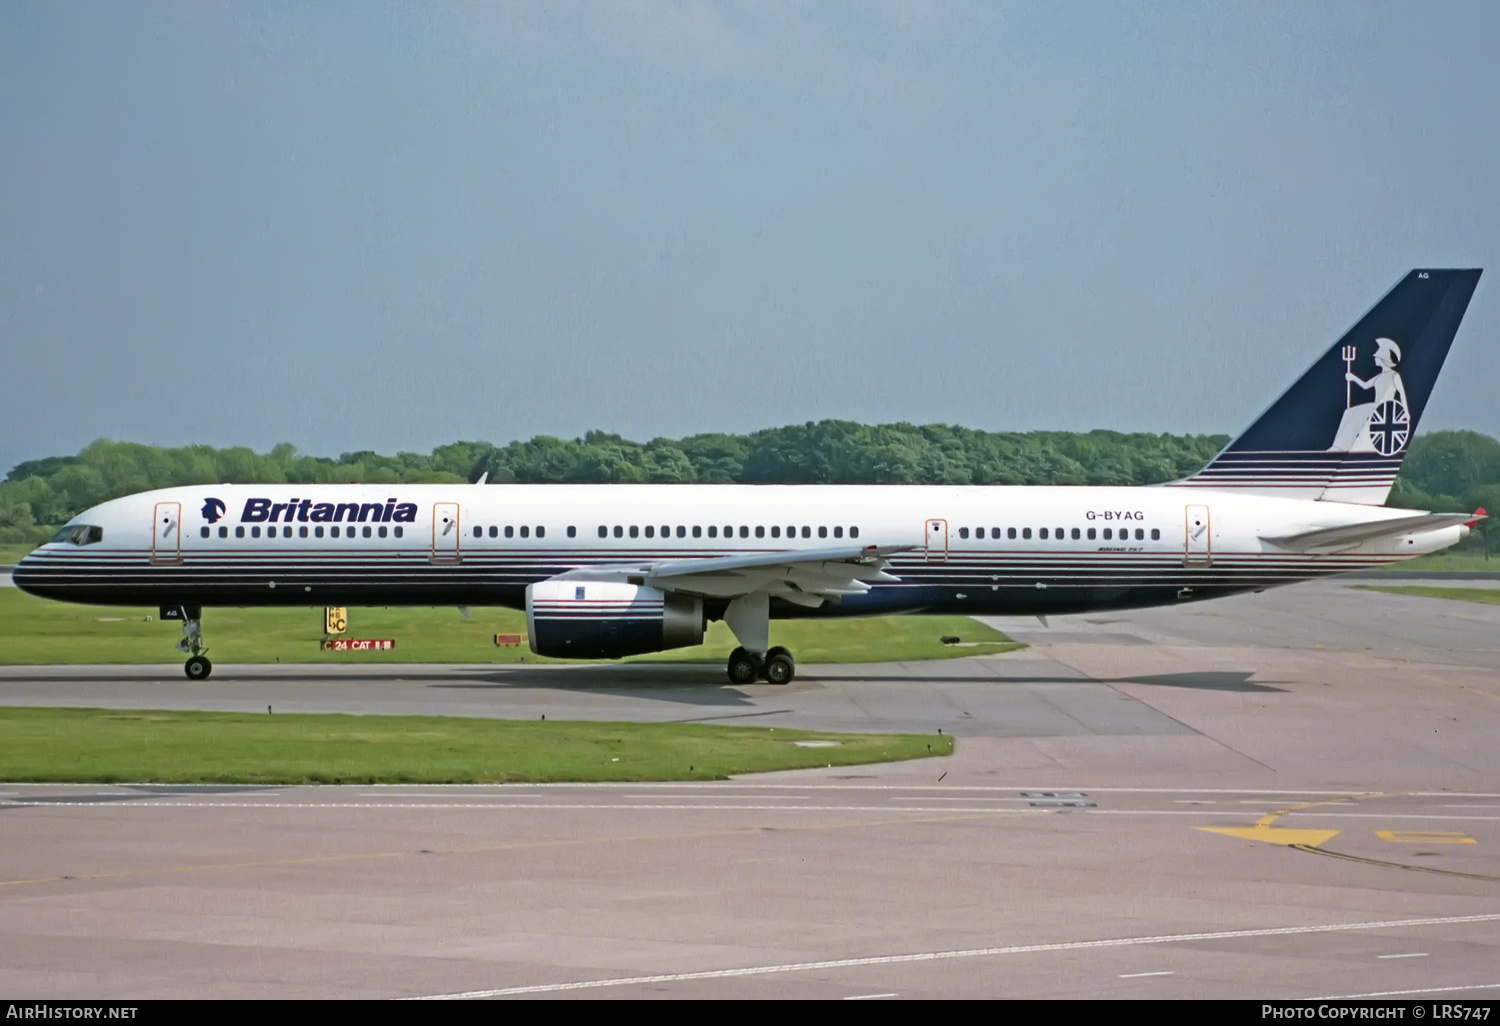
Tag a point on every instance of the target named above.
point(1275, 835)
point(1424, 837)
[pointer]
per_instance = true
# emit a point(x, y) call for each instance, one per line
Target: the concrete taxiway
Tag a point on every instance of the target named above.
point(1293, 794)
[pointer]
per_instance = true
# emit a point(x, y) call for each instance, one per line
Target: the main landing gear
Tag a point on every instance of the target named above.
point(777, 667)
point(749, 617)
point(197, 667)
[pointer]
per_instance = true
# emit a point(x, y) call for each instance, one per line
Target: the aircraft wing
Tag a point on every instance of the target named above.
point(807, 577)
point(1355, 534)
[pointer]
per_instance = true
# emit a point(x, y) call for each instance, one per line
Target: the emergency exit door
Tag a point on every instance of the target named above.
point(445, 532)
point(937, 541)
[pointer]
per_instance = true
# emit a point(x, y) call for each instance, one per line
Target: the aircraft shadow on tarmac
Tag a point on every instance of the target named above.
point(689, 683)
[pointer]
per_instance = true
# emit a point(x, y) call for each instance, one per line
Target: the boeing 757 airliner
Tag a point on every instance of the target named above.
point(612, 570)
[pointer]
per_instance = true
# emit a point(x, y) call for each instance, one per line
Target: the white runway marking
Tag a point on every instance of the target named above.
point(939, 956)
point(1414, 954)
point(1133, 976)
point(868, 997)
point(1403, 993)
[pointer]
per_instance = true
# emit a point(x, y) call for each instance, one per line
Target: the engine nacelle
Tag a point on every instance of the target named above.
point(574, 619)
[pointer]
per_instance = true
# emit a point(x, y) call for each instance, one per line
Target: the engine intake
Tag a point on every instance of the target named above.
point(574, 619)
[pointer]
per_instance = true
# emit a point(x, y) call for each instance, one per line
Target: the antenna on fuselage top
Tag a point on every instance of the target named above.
point(483, 477)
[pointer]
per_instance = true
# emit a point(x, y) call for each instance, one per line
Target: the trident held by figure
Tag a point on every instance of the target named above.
point(1348, 352)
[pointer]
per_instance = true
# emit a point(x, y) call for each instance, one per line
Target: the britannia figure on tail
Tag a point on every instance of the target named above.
point(1384, 424)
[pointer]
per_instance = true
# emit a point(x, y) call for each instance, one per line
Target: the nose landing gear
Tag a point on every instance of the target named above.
point(197, 667)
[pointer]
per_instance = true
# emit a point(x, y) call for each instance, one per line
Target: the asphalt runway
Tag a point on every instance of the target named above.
point(1286, 795)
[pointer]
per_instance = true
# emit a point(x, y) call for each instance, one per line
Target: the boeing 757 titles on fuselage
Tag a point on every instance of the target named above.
point(612, 570)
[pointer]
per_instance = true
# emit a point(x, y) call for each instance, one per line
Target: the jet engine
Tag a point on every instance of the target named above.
point(573, 619)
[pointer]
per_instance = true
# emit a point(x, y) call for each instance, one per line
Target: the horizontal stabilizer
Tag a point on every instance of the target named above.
point(1355, 534)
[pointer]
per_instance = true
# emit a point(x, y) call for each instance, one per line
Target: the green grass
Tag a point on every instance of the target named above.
point(37, 631)
point(1447, 561)
point(1487, 596)
point(102, 745)
point(10, 555)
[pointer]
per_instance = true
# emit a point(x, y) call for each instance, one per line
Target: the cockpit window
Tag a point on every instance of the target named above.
point(79, 534)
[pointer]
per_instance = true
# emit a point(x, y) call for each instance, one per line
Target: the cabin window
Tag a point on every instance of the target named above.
point(1042, 533)
point(478, 531)
point(619, 531)
point(635, 532)
point(525, 531)
point(697, 531)
point(510, 532)
point(963, 532)
point(760, 532)
point(203, 532)
point(224, 532)
point(713, 532)
point(650, 531)
point(1108, 534)
point(318, 531)
point(494, 531)
point(1026, 533)
point(744, 531)
point(334, 531)
point(666, 531)
point(728, 531)
point(572, 531)
point(1092, 534)
point(1140, 534)
point(541, 530)
point(822, 532)
point(381, 531)
point(1010, 532)
point(399, 531)
point(1156, 534)
point(302, 532)
point(838, 532)
point(854, 532)
point(681, 531)
point(1076, 533)
point(775, 530)
point(806, 531)
point(1059, 534)
point(239, 532)
point(255, 532)
point(366, 532)
point(603, 531)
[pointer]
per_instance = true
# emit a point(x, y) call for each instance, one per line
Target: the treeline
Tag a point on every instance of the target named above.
point(1446, 470)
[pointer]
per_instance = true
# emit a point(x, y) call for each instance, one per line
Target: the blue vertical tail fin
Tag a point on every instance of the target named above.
point(1340, 432)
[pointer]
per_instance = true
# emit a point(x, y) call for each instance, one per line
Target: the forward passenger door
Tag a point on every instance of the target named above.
point(166, 533)
point(445, 532)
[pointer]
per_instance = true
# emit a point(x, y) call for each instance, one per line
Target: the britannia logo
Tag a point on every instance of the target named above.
point(1382, 425)
point(213, 509)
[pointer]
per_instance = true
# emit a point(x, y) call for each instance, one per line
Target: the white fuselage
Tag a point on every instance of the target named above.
point(973, 549)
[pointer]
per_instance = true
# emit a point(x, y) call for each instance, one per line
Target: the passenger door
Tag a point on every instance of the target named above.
point(166, 533)
point(445, 532)
point(937, 541)
point(1198, 536)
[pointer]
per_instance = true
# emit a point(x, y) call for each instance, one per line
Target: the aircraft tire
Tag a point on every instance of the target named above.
point(743, 667)
point(778, 650)
point(198, 668)
point(780, 669)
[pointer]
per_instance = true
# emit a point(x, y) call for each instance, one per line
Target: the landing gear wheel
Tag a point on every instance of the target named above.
point(744, 668)
point(779, 668)
point(198, 668)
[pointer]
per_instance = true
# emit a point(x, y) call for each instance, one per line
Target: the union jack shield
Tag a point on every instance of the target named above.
point(1389, 427)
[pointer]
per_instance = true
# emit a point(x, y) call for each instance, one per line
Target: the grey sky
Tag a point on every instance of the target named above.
point(350, 226)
